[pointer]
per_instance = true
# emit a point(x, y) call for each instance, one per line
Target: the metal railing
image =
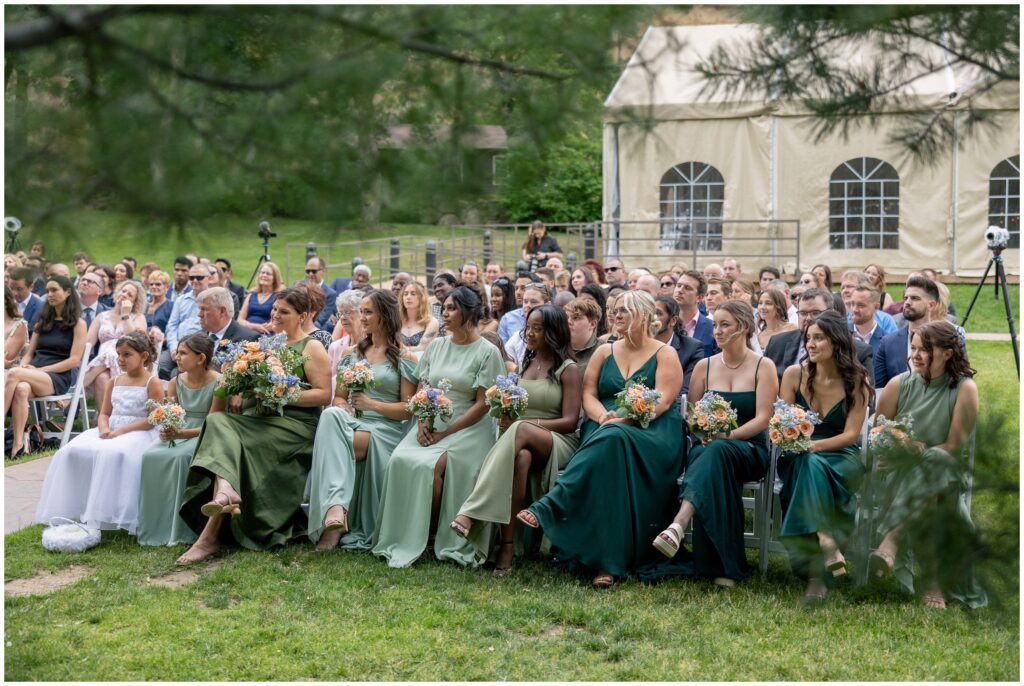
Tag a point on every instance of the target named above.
point(655, 244)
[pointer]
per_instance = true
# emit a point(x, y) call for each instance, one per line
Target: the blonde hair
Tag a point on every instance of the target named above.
point(944, 297)
point(276, 283)
point(563, 277)
point(423, 311)
point(640, 305)
point(162, 277)
point(743, 314)
point(881, 276)
point(140, 297)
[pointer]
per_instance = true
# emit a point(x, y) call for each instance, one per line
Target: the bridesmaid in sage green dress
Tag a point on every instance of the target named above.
point(711, 491)
point(431, 473)
point(165, 466)
point(921, 503)
point(253, 468)
point(617, 489)
point(351, 453)
point(528, 456)
point(819, 486)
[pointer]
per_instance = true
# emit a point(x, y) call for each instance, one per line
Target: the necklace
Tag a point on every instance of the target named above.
point(738, 365)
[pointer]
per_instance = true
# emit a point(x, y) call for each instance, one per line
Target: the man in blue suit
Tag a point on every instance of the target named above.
point(29, 304)
point(863, 304)
point(689, 293)
point(315, 270)
point(919, 300)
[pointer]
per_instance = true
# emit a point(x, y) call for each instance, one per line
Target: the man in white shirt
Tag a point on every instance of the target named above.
point(184, 318)
point(534, 295)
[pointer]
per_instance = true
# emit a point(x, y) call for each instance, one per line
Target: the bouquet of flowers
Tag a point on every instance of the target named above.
point(263, 371)
point(791, 427)
point(710, 415)
point(507, 397)
point(356, 377)
point(429, 402)
point(888, 434)
point(637, 402)
point(166, 415)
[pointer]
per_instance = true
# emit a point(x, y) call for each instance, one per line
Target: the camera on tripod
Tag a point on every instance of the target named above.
point(997, 238)
point(12, 224)
point(265, 232)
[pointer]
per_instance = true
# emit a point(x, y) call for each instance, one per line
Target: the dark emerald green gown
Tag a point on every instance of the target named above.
point(818, 493)
point(616, 493)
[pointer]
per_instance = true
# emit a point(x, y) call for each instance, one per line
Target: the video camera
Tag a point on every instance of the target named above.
point(997, 238)
point(265, 232)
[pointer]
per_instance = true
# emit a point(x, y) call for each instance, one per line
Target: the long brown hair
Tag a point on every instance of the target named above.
point(943, 336)
point(844, 353)
point(387, 309)
point(533, 241)
point(778, 304)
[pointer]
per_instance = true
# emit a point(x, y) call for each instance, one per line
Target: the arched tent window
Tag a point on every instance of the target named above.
point(864, 205)
point(692, 200)
point(1004, 198)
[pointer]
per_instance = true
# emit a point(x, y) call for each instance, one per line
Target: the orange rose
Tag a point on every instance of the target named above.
point(774, 436)
point(806, 428)
point(491, 392)
point(790, 432)
point(252, 346)
point(720, 414)
point(639, 406)
point(241, 366)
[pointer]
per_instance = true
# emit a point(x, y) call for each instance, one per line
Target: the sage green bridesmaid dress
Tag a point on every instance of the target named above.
point(490, 502)
point(165, 471)
point(336, 478)
point(818, 493)
point(266, 458)
point(403, 516)
point(931, 486)
point(616, 493)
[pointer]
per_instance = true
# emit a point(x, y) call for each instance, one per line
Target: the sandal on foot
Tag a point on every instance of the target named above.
point(337, 523)
point(603, 581)
point(669, 540)
point(219, 505)
point(528, 518)
point(460, 530)
point(499, 572)
point(934, 600)
point(836, 564)
point(723, 582)
point(880, 564)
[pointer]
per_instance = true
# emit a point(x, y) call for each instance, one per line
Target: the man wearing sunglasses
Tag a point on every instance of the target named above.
point(315, 271)
point(184, 319)
point(615, 272)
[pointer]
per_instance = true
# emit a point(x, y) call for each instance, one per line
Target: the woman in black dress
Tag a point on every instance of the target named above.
point(540, 247)
point(50, 365)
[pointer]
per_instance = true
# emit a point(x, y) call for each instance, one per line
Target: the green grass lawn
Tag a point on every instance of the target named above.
point(292, 615)
point(988, 314)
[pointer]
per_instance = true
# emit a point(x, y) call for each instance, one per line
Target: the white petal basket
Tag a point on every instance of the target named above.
point(72, 537)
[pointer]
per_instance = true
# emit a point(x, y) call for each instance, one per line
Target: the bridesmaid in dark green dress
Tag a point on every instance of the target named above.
point(818, 486)
point(921, 503)
point(253, 468)
point(711, 492)
point(618, 487)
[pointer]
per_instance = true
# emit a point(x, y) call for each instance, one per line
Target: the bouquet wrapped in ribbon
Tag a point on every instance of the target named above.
point(791, 427)
point(637, 402)
point(356, 377)
point(429, 403)
point(166, 415)
point(263, 370)
point(507, 397)
point(710, 415)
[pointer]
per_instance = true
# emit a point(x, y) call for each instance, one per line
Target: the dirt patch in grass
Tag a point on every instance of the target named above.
point(46, 581)
point(182, 577)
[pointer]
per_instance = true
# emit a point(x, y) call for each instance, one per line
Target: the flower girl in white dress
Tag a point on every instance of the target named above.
point(94, 479)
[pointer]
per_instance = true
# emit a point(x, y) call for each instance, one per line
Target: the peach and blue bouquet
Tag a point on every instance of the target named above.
point(791, 427)
point(637, 402)
point(507, 397)
point(429, 403)
point(710, 415)
point(356, 377)
point(266, 371)
point(166, 414)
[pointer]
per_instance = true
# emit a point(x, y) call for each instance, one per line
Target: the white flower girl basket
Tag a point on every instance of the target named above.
point(72, 537)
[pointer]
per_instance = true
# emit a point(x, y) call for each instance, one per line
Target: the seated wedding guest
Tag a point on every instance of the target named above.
point(710, 493)
point(503, 298)
point(525, 461)
point(600, 298)
point(317, 302)
point(547, 277)
point(432, 472)
point(184, 319)
point(689, 293)
point(237, 289)
point(667, 281)
point(126, 316)
point(824, 274)
point(252, 468)
point(164, 465)
point(316, 270)
point(419, 327)
point(28, 303)
point(442, 285)
point(349, 329)
point(256, 309)
point(105, 270)
point(217, 279)
point(561, 283)
point(876, 274)
point(583, 315)
point(398, 283)
point(122, 273)
point(487, 322)
point(158, 309)
point(690, 350)
point(811, 280)
point(216, 317)
point(534, 295)
point(850, 281)
point(50, 364)
point(94, 479)
point(774, 316)
point(581, 276)
point(818, 486)
point(618, 486)
point(351, 454)
point(920, 497)
point(597, 270)
point(180, 286)
point(15, 331)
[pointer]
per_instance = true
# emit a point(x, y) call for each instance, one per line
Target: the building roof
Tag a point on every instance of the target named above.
point(660, 80)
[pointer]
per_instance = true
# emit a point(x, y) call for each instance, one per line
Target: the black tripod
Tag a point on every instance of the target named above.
point(1000, 279)
point(265, 257)
point(13, 245)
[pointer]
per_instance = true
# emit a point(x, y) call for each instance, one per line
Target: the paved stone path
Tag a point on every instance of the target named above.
point(23, 484)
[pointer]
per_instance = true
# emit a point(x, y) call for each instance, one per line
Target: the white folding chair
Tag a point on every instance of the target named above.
point(41, 405)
